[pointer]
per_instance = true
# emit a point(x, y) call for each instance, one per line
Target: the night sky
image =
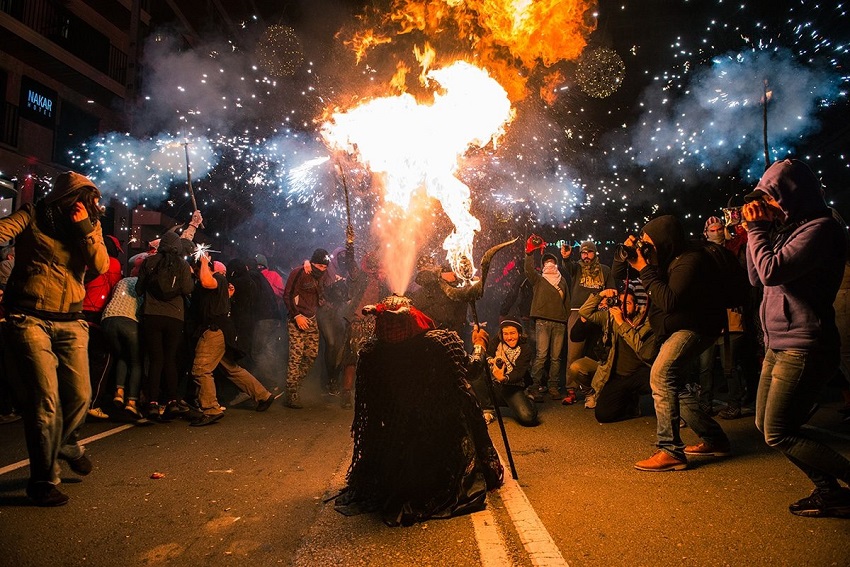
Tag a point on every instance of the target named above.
point(681, 134)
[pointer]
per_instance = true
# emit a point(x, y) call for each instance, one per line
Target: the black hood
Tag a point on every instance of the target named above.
point(169, 242)
point(668, 236)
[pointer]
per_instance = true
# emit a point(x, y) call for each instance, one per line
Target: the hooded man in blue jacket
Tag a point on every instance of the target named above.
point(796, 250)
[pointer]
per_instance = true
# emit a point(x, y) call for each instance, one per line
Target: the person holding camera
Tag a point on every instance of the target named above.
point(509, 360)
point(550, 310)
point(797, 249)
point(623, 376)
point(687, 315)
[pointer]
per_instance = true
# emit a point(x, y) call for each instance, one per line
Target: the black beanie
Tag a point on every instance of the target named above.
point(320, 256)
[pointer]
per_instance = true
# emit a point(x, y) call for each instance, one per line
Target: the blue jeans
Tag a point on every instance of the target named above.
point(788, 389)
point(122, 334)
point(668, 378)
point(550, 342)
point(51, 372)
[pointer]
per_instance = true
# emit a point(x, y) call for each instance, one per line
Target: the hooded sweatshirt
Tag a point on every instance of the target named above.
point(800, 262)
point(681, 283)
point(169, 249)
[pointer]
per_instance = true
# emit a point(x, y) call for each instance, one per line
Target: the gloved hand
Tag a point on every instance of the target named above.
point(533, 243)
point(480, 337)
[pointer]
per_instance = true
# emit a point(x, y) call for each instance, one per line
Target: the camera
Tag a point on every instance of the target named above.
point(732, 216)
point(613, 301)
point(500, 363)
point(623, 253)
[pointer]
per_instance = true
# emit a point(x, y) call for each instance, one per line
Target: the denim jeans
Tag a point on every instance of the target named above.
point(668, 378)
point(50, 370)
point(788, 389)
point(550, 342)
point(122, 333)
point(734, 380)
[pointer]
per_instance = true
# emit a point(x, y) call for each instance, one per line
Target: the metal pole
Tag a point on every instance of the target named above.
point(492, 392)
point(764, 122)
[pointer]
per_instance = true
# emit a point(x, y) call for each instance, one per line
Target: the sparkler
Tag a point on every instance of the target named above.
point(202, 250)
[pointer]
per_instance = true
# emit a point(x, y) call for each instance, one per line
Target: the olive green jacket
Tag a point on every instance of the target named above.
point(48, 273)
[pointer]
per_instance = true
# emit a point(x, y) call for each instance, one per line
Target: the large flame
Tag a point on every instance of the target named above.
point(416, 147)
point(508, 37)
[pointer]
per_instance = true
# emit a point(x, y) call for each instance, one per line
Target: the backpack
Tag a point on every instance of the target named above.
point(165, 278)
point(734, 283)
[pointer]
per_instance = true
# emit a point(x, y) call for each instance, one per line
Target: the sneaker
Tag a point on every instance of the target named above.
point(153, 411)
point(267, 403)
point(9, 418)
point(570, 398)
point(97, 414)
point(345, 399)
point(661, 461)
point(240, 398)
point(489, 417)
point(590, 401)
point(730, 412)
point(46, 495)
point(81, 465)
point(171, 412)
point(292, 401)
point(206, 419)
point(823, 503)
point(555, 393)
point(706, 449)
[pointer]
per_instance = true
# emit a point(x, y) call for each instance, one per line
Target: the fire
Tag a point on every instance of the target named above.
point(415, 148)
point(511, 38)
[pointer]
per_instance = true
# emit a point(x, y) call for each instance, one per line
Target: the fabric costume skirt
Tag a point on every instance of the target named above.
point(421, 447)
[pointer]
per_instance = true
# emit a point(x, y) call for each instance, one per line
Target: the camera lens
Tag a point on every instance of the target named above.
point(623, 253)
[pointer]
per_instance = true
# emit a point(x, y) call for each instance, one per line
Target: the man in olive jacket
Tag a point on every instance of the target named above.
point(57, 240)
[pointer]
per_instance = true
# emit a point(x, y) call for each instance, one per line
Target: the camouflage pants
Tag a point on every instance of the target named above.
point(303, 350)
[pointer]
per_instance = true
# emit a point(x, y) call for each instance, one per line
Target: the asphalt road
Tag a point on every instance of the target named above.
point(251, 490)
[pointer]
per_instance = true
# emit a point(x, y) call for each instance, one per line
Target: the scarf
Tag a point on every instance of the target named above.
point(552, 275)
point(509, 355)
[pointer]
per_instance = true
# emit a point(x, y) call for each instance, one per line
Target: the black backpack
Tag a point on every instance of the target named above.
point(734, 282)
point(165, 278)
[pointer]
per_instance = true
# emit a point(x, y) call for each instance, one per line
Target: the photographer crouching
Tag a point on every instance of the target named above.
point(623, 376)
point(687, 315)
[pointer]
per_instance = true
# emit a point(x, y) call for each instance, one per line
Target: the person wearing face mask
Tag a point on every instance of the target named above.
point(303, 294)
point(797, 250)
point(45, 335)
point(509, 360)
point(588, 276)
point(550, 310)
point(687, 315)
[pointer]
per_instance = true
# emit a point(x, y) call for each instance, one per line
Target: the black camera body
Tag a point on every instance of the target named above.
point(623, 253)
point(499, 363)
point(613, 301)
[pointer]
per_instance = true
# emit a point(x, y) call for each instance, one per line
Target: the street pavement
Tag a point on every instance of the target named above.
point(256, 488)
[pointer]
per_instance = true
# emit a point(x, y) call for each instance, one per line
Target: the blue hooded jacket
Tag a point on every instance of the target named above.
point(800, 262)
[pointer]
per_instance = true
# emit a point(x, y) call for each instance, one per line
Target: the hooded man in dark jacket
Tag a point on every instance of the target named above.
point(796, 250)
point(686, 314)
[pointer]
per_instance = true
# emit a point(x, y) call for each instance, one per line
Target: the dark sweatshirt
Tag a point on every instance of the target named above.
point(682, 284)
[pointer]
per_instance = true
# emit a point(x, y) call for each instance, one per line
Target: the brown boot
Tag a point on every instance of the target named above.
point(706, 449)
point(661, 461)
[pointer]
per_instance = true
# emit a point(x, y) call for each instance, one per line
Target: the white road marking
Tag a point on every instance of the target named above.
point(491, 546)
point(535, 537)
point(107, 433)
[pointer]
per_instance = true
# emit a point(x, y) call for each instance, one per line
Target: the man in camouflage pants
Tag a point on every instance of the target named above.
point(303, 294)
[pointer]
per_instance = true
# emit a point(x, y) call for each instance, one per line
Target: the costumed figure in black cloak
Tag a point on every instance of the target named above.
point(421, 447)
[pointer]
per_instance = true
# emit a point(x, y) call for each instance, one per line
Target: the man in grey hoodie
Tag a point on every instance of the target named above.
point(796, 250)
